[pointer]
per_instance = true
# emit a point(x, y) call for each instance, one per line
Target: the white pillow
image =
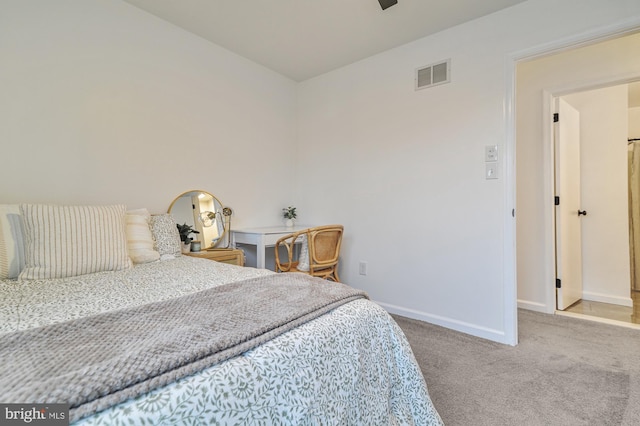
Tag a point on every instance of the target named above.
point(303, 258)
point(139, 239)
point(12, 256)
point(67, 241)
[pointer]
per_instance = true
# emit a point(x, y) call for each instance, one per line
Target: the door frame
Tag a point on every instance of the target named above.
point(510, 243)
point(549, 158)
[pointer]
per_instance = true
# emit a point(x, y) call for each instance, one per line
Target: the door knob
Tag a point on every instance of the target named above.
point(582, 212)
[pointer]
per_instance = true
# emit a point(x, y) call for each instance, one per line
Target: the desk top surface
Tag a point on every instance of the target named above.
point(270, 230)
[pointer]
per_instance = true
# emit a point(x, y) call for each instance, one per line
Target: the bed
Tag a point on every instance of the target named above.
point(341, 361)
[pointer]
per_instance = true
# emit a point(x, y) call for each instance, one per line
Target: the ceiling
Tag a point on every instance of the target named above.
point(305, 38)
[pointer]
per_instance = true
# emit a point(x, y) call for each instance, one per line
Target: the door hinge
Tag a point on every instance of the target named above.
point(556, 200)
point(558, 283)
point(556, 117)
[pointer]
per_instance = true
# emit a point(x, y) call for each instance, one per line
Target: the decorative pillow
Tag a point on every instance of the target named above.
point(166, 235)
point(67, 241)
point(11, 241)
point(139, 238)
point(303, 258)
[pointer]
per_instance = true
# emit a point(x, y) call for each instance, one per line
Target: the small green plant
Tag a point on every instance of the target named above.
point(184, 231)
point(289, 212)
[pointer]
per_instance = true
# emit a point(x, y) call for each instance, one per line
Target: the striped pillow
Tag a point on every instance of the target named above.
point(67, 241)
point(139, 238)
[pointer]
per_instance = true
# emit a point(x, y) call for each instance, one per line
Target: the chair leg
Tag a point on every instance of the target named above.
point(335, 275)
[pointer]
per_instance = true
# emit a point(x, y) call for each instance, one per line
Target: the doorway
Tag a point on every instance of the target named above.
point(538, 81)
point(594, 253)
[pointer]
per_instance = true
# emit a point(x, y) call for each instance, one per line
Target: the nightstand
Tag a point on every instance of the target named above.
point(231, 256)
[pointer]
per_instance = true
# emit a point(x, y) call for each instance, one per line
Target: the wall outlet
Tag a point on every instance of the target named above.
point(491, 153)
point(362, 270)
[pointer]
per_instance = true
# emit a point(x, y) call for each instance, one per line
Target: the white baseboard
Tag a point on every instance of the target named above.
point(598, 319)
point(605, 298)
point(534, 306)
point(461, 326)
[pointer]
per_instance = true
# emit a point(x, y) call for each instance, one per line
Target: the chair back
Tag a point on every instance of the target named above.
point(324, 244)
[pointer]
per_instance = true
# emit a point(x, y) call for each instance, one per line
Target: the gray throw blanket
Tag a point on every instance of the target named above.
point(95, 362)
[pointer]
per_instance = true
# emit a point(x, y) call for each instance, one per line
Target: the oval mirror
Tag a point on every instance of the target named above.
point(204, 213)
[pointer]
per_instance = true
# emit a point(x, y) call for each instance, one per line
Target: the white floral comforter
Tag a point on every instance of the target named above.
point(352, 366)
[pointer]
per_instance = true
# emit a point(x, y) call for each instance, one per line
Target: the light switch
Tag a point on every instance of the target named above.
point(491, 170)
point(491, 153)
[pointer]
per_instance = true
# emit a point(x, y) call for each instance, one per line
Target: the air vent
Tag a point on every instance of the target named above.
point(433, 75)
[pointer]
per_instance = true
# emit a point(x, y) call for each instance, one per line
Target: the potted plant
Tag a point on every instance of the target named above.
point(290, 215)
point(185, 231)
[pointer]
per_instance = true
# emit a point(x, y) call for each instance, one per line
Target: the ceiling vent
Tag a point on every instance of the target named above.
point(433, 75)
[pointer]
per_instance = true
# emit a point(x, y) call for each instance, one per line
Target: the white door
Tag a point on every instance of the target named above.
point(568, 212)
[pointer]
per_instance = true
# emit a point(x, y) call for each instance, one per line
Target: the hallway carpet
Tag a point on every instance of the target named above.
point(564, 371)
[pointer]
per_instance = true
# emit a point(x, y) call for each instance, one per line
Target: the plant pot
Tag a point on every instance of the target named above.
point(186, 248)
point(289, 223)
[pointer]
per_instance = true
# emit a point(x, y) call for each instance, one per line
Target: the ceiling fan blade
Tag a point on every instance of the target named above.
point(387, 3)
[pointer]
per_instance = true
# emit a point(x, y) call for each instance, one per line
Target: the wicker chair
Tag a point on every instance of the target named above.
point(323, 244)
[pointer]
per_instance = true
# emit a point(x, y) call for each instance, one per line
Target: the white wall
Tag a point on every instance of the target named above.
point(404, 170)
point(603, 157)
point(104, 103)
point(601, 64)
point(634, 123)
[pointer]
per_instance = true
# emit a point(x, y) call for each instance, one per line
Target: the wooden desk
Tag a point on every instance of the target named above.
point(233, 257)
point(262, 238)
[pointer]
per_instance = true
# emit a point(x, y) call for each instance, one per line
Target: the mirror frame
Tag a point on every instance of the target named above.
point(219, 213)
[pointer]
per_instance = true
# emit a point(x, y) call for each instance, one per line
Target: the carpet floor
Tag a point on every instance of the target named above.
point(564, 371)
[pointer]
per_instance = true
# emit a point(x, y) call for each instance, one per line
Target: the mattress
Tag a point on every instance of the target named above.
point(352, 365)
